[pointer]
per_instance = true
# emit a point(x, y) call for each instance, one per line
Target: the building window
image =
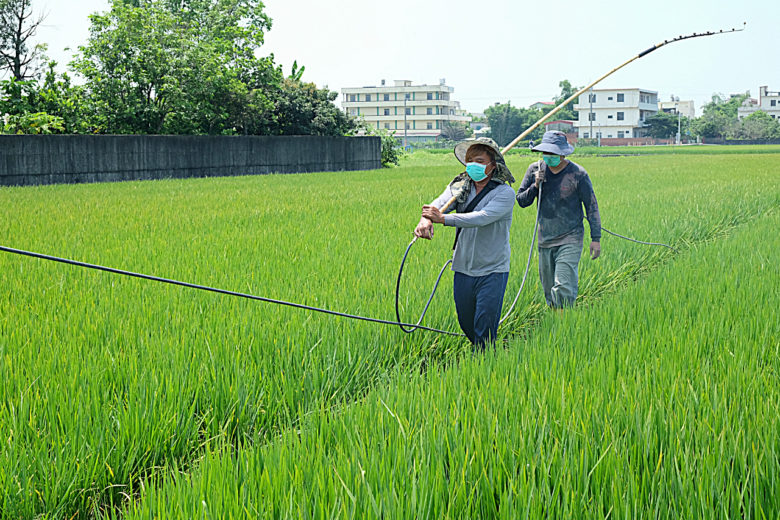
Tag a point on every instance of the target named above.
point(773, 102)
point(387, 97)
point(586, 135)
point(387, 126)
point(621, 98)
point(408, 126)
point(429, 111)
point(430, 126)
point(609, 98)
point(387, 111)
point(352, 98)
point(620, 135)
point(368, 97)
point(429, 96)
point(591, 116)
point(591, 98)
point(408, 111)
point(407, 97)
point(620, 116)
point(609, 116)
point(353, 111)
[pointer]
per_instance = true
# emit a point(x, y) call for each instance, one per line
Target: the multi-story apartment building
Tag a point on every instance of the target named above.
point(422, 109)
point(614, 112)
point(767, 101)
point(684, 108)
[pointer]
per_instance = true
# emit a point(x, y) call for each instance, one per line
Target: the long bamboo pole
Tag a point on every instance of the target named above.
point(584, 89)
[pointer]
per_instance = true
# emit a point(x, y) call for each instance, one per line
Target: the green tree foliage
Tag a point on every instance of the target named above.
point(758, 125)
point(456, 131)
point(53, 99)
point(507, 122)
point(719, 116)
point(567, 90)
point(663, 126)
point(179, 67)
point(303, 109)
point(31, 123)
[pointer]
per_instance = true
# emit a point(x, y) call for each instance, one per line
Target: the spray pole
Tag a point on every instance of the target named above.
point(584, 89)
point(571, 98)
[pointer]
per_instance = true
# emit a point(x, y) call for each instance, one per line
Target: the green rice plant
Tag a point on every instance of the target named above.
point(108, 382)
point(661, 402)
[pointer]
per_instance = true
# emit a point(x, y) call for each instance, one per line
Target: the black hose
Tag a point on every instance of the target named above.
point(219, 291)
point(638, 241)
point(398, 290)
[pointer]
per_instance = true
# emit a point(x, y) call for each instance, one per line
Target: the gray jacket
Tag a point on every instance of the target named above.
point(483, 244)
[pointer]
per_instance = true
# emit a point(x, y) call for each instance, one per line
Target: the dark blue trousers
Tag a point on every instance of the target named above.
point(478, 300)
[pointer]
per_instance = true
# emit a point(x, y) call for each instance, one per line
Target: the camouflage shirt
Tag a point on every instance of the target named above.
point(563, 196)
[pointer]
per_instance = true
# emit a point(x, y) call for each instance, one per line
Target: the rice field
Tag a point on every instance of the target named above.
point(125, 398)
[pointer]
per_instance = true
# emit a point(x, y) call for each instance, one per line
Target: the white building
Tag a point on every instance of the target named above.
point(423, 109)
point(614, 112)
point(768, 102)
point(685, 108)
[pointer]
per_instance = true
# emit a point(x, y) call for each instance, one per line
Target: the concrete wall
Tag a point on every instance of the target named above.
point(52, 159)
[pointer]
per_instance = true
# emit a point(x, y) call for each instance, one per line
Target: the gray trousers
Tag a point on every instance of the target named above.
point(558, 272)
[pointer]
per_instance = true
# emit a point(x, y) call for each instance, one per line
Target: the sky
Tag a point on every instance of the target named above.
point(502, 50)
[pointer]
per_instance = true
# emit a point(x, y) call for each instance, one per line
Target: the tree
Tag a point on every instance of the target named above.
point(507, 122)
point(53, 99)
point(758, 125)
point(456, 131)
point(719, 116)
point(179, 67)
point(18, 26)
point(662, 125)
point(303, 109)
point(567, 90)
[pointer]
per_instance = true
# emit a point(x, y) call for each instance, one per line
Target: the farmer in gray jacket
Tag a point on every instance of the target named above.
point(566, 188)
point(481, 257)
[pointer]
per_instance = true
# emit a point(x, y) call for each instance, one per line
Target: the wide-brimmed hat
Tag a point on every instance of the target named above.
point(502, 172)
point(554, 142)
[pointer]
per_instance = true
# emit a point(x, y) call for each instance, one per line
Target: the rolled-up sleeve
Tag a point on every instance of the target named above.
point(498, 207)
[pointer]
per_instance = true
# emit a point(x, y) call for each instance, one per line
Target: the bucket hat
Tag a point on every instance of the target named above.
point(502, 172)
point(554, 142)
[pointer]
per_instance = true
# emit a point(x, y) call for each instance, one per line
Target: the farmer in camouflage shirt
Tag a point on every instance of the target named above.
point(566, 188)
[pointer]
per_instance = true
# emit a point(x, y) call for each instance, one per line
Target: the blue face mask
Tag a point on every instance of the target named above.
point(476, 171)
point(552, 160)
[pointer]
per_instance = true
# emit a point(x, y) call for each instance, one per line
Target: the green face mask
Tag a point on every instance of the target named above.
point(552, 160)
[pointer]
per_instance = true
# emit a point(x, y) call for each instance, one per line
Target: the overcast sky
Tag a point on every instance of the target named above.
point(500, 50)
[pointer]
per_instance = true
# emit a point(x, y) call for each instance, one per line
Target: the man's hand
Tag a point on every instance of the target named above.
point(595, 250)
point(433, 214)
point(424, 229)
point(539, 176)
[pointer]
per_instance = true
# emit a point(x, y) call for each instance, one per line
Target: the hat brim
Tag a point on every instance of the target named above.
point(551, 148)
point(462, 147)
